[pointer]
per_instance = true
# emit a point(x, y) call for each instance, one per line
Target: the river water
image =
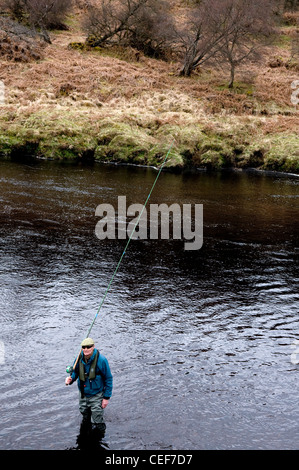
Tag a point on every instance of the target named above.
point(201, 344)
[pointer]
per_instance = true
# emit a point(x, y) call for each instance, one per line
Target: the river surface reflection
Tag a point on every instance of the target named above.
point(201, 343)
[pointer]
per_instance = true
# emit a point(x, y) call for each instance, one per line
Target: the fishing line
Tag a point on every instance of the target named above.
point(69, 369)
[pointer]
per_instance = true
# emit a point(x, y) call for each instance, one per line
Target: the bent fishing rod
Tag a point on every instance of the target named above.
point(70, 369)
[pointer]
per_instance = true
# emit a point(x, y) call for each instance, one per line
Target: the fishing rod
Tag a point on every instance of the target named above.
point(70, 369)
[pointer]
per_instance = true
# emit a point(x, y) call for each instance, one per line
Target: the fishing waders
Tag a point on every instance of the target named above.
point(92, 412)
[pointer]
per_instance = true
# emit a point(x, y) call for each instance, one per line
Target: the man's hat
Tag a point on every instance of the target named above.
point(87, 342)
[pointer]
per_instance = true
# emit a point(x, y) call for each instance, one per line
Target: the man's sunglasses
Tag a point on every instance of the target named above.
point(87, 347)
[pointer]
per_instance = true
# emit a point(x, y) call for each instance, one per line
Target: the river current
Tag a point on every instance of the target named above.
point(203, 345)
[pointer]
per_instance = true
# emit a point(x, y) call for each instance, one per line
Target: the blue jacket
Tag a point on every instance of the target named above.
point(103, 381)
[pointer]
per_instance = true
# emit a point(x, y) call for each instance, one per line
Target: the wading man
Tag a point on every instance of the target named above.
point(95, 384)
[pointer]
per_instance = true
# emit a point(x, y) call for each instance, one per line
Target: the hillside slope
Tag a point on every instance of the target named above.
point(113, 105)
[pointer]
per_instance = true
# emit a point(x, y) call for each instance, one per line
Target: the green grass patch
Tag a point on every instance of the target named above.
point(64, 134)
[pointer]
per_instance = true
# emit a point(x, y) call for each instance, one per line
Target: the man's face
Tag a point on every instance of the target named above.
point(88, 350)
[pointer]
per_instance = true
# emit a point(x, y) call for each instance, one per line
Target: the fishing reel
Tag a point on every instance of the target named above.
point(69, 369)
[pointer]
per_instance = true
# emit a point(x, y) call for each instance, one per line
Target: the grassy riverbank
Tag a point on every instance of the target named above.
point(108, 106)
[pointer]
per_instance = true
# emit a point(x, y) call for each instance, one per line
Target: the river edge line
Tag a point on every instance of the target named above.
point(119, 143)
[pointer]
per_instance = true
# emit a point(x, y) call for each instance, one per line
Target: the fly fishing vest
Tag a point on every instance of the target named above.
point(92, 372)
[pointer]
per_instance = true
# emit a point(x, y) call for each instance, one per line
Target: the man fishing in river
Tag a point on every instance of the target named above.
point(91, 368)
point(95, 384)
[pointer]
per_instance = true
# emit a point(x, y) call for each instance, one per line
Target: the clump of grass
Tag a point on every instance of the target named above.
point(122, 142)
point(282, 153)
point(46, 133)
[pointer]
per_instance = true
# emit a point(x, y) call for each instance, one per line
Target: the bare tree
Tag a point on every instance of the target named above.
point(51, 12)
point(152, 29)
point(15, 7)
point(202, 35)
point(143, 24)
point(43, 14)
point(251, 25)
point(224, 28)
point(109, 19)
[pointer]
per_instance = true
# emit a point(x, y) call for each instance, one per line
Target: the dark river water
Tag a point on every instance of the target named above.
point(203, 344)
